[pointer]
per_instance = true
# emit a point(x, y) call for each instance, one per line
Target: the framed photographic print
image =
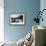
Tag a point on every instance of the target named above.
point(17, 19)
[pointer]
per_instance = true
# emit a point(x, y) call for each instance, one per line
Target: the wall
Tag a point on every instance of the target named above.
point(1, 20)
point(29, 7)
point(43, 6)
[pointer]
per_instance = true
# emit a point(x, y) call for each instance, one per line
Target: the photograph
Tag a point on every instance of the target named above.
point(17, 19)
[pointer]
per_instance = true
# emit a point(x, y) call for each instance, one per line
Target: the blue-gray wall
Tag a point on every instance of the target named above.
point(43, 6)
point(29, 8)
